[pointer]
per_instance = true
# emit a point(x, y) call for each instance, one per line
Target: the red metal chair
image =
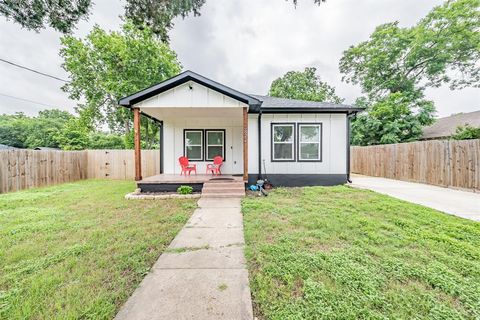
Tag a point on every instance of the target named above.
point(186, 166)
point(215, 167)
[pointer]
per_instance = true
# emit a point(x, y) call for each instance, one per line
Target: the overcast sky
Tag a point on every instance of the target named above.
point(242, 43)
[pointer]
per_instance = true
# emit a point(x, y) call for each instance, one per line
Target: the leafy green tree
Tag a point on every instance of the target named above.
point(14, 129)
point(303, 85)
point(101, 140)
point(73, 136)
point(43, 129)
point(61, 15)
point(393, 119)
point(106, 66)
point(466, 132)
point(443, 48)
point(158, 15)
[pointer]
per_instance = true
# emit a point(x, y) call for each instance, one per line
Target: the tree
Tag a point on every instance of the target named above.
point(158, 15)
point(43, 129)
point(396, 118)
point(303, 85)
point(61, 15)
point(101, 140)
point(443, 48)
point(73, 136)
point(466, 132)
point(14, 129)
point(106, 66)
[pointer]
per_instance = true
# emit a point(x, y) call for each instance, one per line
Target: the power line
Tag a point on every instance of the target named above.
point(33, 70)
point(26, 100)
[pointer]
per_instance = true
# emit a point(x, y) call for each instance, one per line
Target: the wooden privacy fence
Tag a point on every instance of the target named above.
point(447, 163)
point(23, 169)
point(119, 164)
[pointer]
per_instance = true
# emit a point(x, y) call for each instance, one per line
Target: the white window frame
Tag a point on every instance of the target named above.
point(300, 142)
point(273, 142)
point(185, 145)
point(207, 131)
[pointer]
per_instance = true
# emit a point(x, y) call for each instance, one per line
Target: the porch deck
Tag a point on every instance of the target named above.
point(170, 182)
point(194, 178)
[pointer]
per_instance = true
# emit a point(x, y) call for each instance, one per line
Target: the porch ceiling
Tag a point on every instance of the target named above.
point(163, 113)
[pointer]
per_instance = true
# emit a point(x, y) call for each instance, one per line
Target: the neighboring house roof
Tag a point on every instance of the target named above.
point(275, 104)
point(445, 127)
point(266, 103)
point(5, 147)
point(46, 148)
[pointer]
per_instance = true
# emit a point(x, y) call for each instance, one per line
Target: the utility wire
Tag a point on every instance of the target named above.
point(26, 100)
point(32, 70)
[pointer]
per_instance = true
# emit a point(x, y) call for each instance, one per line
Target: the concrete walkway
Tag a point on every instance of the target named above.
point(202, 275)
point(459, 203)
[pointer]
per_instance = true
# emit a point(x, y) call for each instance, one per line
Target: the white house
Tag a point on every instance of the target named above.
point(293, 142)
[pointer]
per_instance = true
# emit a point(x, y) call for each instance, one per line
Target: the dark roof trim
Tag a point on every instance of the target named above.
point(181, 79)
point(310, 110)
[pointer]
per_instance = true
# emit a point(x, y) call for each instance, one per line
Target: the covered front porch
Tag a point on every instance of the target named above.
point(170, 182)
point(198, 119)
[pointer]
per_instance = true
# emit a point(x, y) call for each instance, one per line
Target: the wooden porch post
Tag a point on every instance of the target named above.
point(138, 151)
point(245, 144)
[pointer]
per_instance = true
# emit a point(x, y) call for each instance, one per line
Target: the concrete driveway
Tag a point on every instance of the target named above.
point(459, 203)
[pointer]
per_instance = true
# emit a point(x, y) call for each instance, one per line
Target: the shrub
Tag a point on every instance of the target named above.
point(185, 190)
point(466, 132)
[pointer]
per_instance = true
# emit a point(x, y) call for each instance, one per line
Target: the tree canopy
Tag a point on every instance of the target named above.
point(304, 85)
point(400, 63)
point(106, 66)
point(158, 15)
point(443, 48)
point(61, 15)
point(466, 132)
point(54, 128)
point(21, 131)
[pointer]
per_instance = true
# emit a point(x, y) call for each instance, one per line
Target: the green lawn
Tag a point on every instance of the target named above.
point(342, 253)
point(78, 250)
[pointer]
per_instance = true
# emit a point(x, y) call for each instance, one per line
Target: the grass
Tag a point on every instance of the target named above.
point(342, 253)
point(79, 250)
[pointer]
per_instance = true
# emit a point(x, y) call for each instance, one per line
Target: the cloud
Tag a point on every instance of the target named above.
point(245, 44)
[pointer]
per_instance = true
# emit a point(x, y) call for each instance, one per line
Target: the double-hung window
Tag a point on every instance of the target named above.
point(215, 144)
point(283, 142)
point(193, 143)
point(309, 142)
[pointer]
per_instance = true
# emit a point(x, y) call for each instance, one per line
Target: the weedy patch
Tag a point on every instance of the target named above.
point(187, 249)
point(338, 252)
point(79, 250)
point(222, 287)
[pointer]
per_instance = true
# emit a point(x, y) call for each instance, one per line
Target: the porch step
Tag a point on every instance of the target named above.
point(223, 195)
point(219, 191)
point(223, 189)
point(222, 184)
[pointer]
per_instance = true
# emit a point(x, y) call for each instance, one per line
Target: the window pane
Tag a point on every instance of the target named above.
point(194, 152)
point(282, 133)
point(193, 138)
point(214, 151)
point(215, 137)
point(309, 151)
point(309, 133)
point(282, 151)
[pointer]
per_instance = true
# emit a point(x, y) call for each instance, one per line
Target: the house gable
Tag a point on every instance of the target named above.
point(190, 95)
point(184, 78)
